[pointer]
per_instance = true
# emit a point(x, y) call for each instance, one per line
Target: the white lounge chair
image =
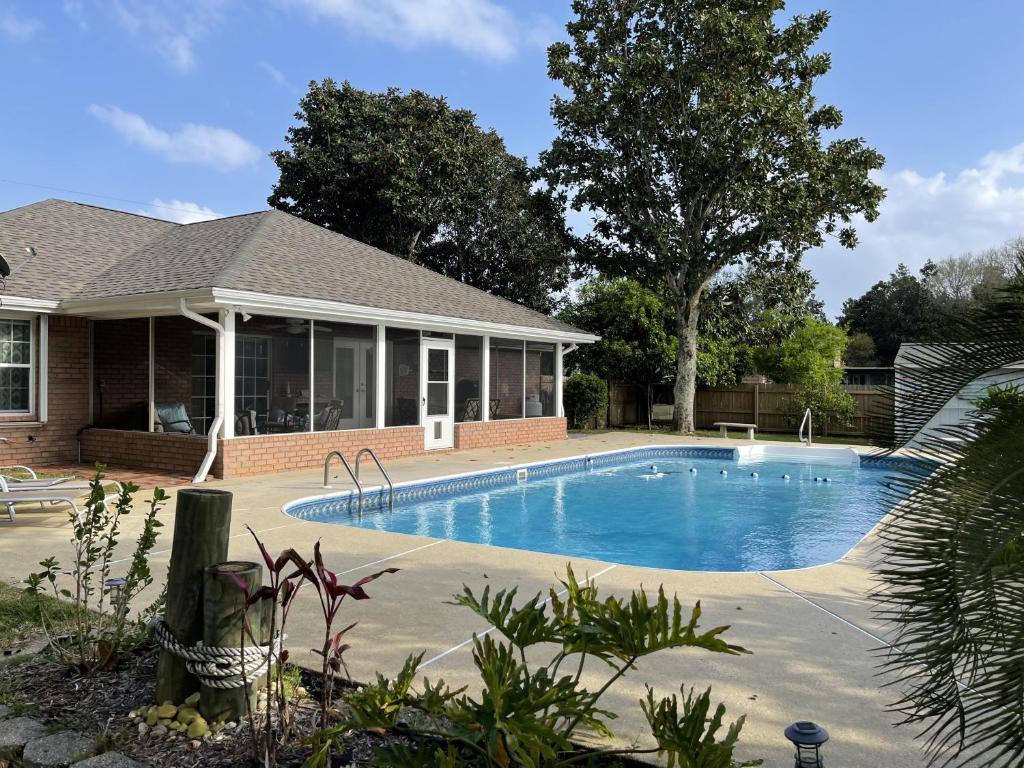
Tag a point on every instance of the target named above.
point(66, 493)
point(33, 480)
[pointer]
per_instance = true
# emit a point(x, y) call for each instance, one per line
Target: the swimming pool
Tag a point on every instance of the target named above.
point(706, 509)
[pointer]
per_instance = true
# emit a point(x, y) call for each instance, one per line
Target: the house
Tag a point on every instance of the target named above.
point(251, 344)
point(868, 375)
point(958, 408)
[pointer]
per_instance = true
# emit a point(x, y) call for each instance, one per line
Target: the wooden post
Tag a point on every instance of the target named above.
point(223, 622)
point(757, 405)
point(202, 520)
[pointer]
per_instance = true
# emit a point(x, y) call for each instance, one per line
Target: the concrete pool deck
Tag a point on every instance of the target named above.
point(811, 631)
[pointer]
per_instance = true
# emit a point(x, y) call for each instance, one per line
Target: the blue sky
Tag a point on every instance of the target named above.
point(172, 106)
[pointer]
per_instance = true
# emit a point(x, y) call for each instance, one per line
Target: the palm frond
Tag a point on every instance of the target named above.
point(952, 570)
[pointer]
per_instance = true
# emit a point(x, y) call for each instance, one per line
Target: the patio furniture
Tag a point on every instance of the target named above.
point(60, 494)
point(329, 418)
point(174, 418)
point(724, 426)
point(471, 409)
point(245, 423)
point(32, 481)
point(495, 404)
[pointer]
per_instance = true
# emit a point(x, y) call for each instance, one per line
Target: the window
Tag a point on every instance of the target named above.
point(506, 377)
point(272, 373)
point(540, 379)
point(15, 365)
point(204, 381)
point(468, 369)
point(402, 369)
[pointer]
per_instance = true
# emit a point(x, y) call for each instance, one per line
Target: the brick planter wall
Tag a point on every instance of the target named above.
point(148, 450)
point(489, 434)
point(260, 454)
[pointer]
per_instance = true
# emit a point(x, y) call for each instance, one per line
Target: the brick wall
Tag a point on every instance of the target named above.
point(68, 402)
point(146, 450)
point(259, 454)
point(488, 434)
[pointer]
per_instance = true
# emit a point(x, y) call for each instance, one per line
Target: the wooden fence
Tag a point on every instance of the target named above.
point(761, 404)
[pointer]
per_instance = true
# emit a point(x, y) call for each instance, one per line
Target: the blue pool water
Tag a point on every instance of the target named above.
point(626, 512)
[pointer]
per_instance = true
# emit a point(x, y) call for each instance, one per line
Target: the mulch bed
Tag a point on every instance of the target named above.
point(98, 704)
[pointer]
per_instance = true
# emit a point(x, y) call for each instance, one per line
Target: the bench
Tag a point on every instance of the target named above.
point(724, 426)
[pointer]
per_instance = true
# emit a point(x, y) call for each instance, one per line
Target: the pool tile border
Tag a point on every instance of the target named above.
point(317, 507)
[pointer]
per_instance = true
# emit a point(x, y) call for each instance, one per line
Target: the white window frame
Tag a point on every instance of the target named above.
point(33, 354)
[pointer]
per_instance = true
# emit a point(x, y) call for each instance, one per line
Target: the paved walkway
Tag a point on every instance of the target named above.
point(811, 631)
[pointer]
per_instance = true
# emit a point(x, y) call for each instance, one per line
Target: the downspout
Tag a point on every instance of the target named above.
point(211, 436)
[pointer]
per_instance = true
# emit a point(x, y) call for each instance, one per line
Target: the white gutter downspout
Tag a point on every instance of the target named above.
point(211, 449)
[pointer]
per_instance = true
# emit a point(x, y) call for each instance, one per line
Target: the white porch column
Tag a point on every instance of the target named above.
point(485, 379)
point(312, 376)
point(559, 410)
point(152, 373)
point(44, 368)
point(380, 378)
point(226, 372)
point(522, 413)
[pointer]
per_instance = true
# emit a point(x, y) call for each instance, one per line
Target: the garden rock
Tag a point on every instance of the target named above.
point(4, 711)
point(59, 750)
point(16, 733)
point(108, 760)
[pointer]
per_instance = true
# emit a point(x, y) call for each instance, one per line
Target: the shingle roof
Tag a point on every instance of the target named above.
point(268, 252)
point(74, 242)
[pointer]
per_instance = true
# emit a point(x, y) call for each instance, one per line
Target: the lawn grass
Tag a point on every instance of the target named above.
point(783, 437)
point(19, 616)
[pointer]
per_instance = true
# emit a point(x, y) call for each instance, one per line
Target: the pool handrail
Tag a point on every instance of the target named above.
point(387, 479)
point(810, 428)
point(348, 468)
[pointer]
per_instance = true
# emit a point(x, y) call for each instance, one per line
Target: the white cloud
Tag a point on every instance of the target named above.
point(171, 27)
point(180, 211)
point(277, 76)
point(75, 10)
point(20, 29)
point(480, 27)
point(927, 217)
point(217, 148)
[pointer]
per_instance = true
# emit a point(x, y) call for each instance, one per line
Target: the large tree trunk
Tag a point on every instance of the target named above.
point(685, 388)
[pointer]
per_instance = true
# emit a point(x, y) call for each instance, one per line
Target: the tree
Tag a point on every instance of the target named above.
point(815, 350)
point(747, 309)
point(637, 344)
point(407, 173)
point(958, 282)
point(861, 352)
point(811, 360)
point(691, 133)
point(895, 311)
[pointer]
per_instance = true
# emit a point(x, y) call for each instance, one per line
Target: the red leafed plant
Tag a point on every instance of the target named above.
point(277, 599)
point(332, 594)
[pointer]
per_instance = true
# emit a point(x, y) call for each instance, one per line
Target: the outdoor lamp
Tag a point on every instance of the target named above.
point(115, 587)
point(807, 737)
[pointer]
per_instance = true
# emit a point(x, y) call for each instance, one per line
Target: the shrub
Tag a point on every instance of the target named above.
point(99, 609)
point(831, 406)
point(532, 714)
point(586, 398)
